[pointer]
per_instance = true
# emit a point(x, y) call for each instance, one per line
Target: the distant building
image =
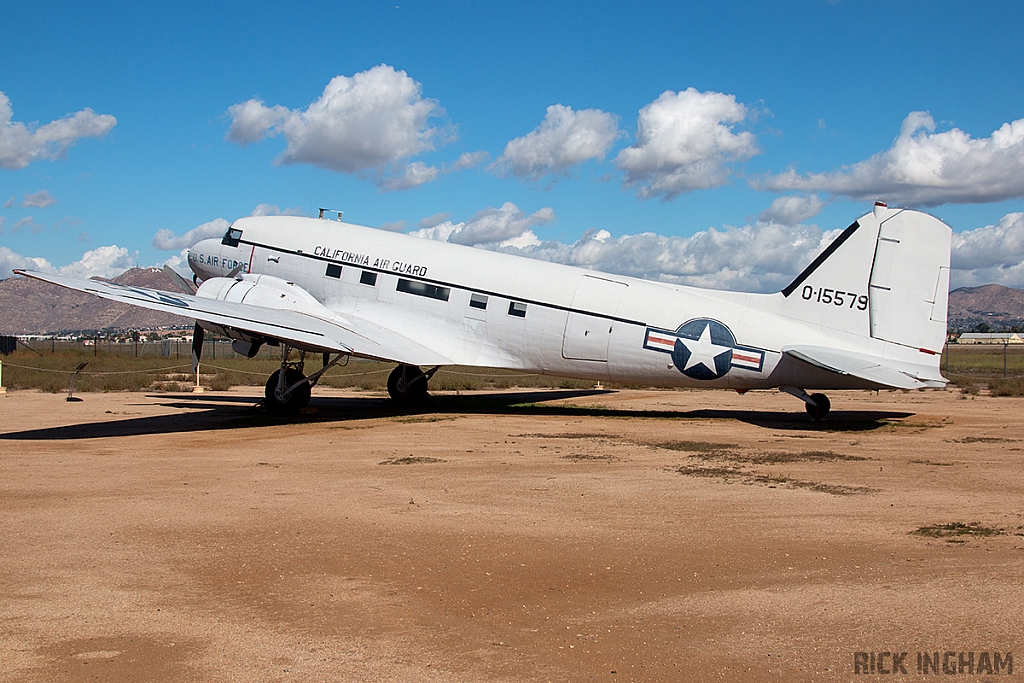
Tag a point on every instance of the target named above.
point(991, 338)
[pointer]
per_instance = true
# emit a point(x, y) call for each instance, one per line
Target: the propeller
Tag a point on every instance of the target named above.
point(178, 280)
point(197, 347)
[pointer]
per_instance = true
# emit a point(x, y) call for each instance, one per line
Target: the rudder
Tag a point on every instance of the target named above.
point(909, 285)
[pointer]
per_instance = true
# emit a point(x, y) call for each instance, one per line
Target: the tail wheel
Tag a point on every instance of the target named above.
point(820, 408)
point(293, 402)
point(407, 384)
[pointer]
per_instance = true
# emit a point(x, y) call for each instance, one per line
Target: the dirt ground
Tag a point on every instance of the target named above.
point(530, 535)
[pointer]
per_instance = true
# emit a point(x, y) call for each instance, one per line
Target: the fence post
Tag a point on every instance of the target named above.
point(3, 392)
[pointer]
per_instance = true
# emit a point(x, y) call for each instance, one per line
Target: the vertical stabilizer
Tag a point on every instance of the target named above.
point(886, 277)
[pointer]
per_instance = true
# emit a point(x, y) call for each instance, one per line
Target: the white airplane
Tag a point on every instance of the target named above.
point(868, 313)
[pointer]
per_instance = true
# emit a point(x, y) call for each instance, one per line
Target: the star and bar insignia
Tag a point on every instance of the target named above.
point(704, 349)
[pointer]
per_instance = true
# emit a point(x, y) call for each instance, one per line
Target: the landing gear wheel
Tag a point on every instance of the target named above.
point(407, 384)
point(294, 402)
point(821, 407)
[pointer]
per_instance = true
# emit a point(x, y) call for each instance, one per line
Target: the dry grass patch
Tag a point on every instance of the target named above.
point(983, 439)
point(568, 435)
point(953, 531)
point(411, 460)
point(585, 457)
point(773, 457)
point(708, 448)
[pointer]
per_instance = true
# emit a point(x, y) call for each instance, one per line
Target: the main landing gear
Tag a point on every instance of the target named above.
point(817, 405)
point(288, 390)
point(407, 384)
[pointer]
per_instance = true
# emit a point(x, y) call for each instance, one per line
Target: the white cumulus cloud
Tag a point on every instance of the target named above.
point(274, 210)
point(565, 138)
point(10, 260)
point(925, 168)
point(109, 261)
point(21, 144)
point(685, 141)
point(40, 199)
point(489, 227)
point(792, 209)
point(361, 124)
point(411, 175)
point(467, 160)
point(166, 239)
point(763, 257)
point(29, 222)
point(990, 254)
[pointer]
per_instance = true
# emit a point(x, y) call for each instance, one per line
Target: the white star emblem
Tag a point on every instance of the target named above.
point(704, 351)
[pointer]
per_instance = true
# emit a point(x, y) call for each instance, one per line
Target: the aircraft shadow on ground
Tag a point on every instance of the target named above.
point(212, 412)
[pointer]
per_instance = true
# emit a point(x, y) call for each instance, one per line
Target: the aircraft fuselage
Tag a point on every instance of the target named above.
point(492, 309)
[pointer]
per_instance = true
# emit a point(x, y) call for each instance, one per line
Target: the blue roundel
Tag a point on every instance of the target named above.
point(704, 349)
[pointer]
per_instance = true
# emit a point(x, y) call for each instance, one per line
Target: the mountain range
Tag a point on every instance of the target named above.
point(33, 307)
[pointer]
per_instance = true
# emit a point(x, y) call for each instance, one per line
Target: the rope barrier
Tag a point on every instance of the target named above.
point(119, 372)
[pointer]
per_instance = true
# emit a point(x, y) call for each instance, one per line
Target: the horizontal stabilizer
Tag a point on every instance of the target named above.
point(297, 329)
point(874, 369)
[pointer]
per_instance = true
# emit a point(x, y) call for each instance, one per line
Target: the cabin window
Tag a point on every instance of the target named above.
point(423, 289)
point(333, 270)
point(231, 237)
point(517, 309)
point(368, 277)
point(478, 301)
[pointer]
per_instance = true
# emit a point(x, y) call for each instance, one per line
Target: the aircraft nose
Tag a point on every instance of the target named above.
point(204, 258)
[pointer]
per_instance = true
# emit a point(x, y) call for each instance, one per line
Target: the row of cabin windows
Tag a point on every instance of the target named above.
point(368, 277)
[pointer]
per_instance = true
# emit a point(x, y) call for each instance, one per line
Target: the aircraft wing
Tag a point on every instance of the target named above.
point(870, 368)
point(341, 335)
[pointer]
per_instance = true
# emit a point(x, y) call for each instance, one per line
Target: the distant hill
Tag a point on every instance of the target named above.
point(33, 307)
point(994, 305)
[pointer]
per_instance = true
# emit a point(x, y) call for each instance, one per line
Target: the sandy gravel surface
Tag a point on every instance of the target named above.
point(521, 536)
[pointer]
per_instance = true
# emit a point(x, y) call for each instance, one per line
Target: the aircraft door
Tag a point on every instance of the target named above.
point(586, 336)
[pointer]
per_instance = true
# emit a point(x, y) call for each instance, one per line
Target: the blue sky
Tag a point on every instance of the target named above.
point(717, 144)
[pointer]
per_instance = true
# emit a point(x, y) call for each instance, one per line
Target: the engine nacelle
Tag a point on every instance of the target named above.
point(266, 291)
point(263, 290)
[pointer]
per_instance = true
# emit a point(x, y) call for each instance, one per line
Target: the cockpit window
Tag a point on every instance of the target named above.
point(231, 237)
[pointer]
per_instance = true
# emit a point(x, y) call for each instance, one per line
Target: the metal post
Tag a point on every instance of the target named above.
point(71, 387)
point(1006, 342)
point(3, 392)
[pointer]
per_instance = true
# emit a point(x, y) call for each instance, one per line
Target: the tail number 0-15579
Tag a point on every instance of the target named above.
point(836, 297)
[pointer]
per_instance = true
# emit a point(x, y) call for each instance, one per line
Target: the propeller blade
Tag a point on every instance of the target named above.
point(179, 282)
point(197, 347)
